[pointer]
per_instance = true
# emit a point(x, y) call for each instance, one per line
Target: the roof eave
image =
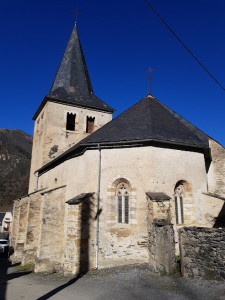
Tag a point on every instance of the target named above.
point(80, 148)
point(70, 103)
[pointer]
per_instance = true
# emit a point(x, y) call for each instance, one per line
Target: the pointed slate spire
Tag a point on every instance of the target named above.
point(72, 83)
point(72, 78)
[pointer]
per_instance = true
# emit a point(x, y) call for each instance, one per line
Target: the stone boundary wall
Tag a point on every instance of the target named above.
point(161, 239)
point(202, 252)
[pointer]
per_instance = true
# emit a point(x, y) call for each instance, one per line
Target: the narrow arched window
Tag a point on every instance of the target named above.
point(119, 207)
point(179, 205)
point(126, 207)
point(123, 204)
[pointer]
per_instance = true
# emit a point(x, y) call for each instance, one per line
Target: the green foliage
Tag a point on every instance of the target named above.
point(177, 259)
point(26, 268)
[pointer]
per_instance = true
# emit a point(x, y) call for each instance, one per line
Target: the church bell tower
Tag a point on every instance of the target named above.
point(70, 111)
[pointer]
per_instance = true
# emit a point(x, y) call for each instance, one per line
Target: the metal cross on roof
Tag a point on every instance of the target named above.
point(150, 79)
point(76, 14)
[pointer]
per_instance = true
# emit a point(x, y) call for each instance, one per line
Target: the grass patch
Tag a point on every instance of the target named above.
point(26, 268)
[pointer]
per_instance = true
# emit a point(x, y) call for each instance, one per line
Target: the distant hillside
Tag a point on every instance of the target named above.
point(15, 156)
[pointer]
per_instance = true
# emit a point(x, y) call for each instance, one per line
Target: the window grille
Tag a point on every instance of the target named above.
point(176, 210)
point(181, 210)
point(119, 207)
point(126, 202)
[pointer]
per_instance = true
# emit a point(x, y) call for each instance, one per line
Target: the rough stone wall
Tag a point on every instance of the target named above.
point(19, 236)
point(33, 227)
point(213, 211)
point(15, 223)
point(161, 210)
point(213, 208)
point(216, 173)
point(51, 137)
point(161, 239)
point(202, 252)
point(72, 240)
point(51, 238)
point(79, 247)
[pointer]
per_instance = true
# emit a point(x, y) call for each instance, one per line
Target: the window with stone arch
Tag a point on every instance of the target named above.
point(121, 202)
point(122, 192)
point(181, 192)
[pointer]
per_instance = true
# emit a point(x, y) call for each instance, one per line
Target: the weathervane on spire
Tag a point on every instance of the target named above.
point(150, 79)
point(76, 15)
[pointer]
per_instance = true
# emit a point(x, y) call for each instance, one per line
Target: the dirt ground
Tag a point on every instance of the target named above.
point(130, 282)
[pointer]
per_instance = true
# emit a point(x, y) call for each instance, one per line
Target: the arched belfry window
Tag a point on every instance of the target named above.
point(90, 124)
point(123, 203)
point(179, 201)
point(70, 121)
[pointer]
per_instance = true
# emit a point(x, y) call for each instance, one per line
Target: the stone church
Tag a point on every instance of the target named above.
point(98, 185)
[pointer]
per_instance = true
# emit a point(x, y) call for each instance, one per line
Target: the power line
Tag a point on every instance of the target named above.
point(179, 40)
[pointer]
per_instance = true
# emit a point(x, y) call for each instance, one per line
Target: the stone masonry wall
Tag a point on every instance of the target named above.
point(51, 238)
point(51, 137)
point(20, 233)
point(202, 252)
point(72, 240)
point(80, 233)
point(161, 239)
point(33, 226)
point(216, 174)
point(15, 223)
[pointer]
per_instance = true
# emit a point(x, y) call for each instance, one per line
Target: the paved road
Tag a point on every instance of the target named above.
point(133, 282)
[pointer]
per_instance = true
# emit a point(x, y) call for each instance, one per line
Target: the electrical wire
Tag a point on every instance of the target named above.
point(180, 41)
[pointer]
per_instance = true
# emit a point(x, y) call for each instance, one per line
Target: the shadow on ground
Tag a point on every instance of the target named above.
point(5, 264)
point(60, 288)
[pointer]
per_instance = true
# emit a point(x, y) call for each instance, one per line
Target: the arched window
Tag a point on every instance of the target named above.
point(179, 201)
point(123, 203)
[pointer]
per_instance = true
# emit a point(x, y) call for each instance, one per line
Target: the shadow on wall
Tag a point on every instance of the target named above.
point(88, 217)
point(220, 220)
point(86, 206)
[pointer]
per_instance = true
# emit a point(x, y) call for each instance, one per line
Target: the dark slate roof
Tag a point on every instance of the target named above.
point(79, 198)
point(72, 83)
point(149, 119)
point(158, 196)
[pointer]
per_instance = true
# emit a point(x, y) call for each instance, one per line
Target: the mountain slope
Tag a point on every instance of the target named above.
point(15, 156)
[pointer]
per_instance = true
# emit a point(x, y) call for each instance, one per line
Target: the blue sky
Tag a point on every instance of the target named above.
point(121, 40)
